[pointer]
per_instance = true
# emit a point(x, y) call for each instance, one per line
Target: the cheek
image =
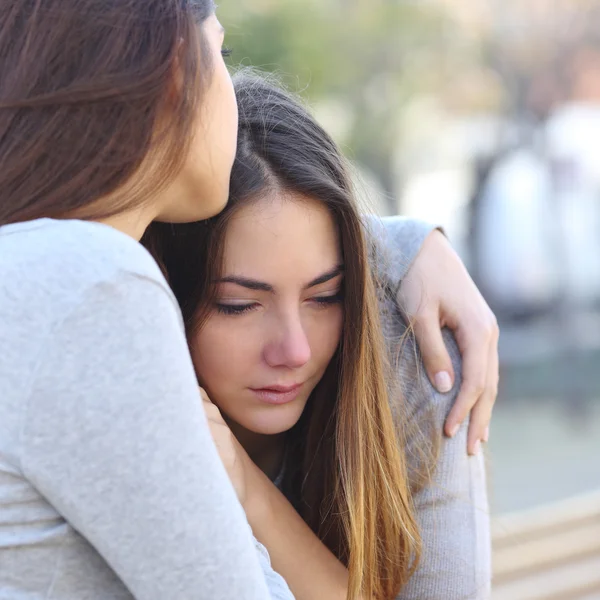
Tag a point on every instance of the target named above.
point(325, 336)
point(214, 143)
point(224, 116)
point(223, 356)
point(232, 117)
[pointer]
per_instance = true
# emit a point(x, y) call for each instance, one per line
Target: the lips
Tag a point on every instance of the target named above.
point(277, 394)
point(281, 388)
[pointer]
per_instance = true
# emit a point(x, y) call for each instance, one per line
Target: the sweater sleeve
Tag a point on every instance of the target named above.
point(451, 497)
point(116, 439)
point(396, 242)
point(450, 494)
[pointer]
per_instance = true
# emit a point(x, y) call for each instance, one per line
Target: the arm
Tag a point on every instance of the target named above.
point(277, 585)
point(451, 508)
point(308, 566)
point(117, 441)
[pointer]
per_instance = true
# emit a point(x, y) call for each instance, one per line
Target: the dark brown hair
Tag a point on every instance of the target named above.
point(345, 469)
point(82, 88)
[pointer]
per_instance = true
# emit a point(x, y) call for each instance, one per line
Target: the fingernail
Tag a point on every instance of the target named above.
point(476, 448)
point(486, 434)
point(454, 430)
point(443, 383)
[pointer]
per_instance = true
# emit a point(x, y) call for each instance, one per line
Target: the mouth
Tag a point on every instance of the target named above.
point(278, 394)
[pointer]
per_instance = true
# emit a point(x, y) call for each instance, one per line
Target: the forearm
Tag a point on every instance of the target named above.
point(310, 569)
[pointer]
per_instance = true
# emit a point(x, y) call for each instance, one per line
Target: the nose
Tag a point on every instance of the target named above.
point(289, 345)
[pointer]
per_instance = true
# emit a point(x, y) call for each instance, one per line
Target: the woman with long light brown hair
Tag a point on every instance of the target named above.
point(341, 445)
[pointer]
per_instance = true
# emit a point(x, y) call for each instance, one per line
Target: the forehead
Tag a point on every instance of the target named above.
point(285, 237)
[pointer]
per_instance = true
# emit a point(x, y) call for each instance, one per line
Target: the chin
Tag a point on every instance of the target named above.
point(197, 203)
point(216, 204)
point(273, 422)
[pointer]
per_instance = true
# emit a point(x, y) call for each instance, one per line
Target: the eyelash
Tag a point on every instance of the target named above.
point(328, 300)
point(240, 309)
point(234, 309)
point(225, 52)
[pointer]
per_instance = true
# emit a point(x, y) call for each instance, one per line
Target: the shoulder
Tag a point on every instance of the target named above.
point(64, 275)
point(449, 487)
point(395, 243)
point(418, 409)
point(77, 248)
point(384, 229)
point(51, 265)
point(416, 390)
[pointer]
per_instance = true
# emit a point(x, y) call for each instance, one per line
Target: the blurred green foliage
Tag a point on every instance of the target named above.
point(367, 56)
point(366, 59)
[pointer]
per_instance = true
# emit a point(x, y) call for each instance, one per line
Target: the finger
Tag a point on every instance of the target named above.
point(480, 419)
point(433, 350)
point(475, 368)
point(482, 413)
point(212, 410)
point(209, 407)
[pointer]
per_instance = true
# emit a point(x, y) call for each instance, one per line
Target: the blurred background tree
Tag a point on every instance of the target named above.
point(359, 61)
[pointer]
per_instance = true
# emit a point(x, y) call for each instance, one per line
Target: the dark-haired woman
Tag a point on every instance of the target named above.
point(345, 458)
point(113, 113)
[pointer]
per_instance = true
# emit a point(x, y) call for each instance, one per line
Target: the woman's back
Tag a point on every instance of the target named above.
point(47, 269)
point(96, 375)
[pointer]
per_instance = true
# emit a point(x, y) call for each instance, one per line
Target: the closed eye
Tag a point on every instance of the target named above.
point(235, 309)
point(329, 300)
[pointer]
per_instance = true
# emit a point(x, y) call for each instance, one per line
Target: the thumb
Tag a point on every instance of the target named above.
point(433, 350)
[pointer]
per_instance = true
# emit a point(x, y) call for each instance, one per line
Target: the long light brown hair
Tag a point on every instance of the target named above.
point(83, 86)
point(345, 469)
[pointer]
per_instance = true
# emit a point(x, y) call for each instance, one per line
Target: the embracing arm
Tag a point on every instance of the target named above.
point(116, 439)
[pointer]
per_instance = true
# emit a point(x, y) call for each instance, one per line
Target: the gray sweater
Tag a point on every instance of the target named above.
point(110, 486)
point(451, 507)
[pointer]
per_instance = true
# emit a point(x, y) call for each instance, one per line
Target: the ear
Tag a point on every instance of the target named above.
point(176, 86)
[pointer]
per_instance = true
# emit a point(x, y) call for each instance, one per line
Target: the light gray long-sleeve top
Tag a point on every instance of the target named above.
point(110, 484)
point(452, 508)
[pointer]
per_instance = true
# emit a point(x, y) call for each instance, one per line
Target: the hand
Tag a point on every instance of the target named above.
point(230, 450)
point(438, 292)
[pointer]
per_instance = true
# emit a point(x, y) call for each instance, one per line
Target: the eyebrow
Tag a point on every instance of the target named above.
point(331, 274)
point(255, 284)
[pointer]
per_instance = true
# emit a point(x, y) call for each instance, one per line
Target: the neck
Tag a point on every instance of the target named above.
point(133, 222)
point(265, 451)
